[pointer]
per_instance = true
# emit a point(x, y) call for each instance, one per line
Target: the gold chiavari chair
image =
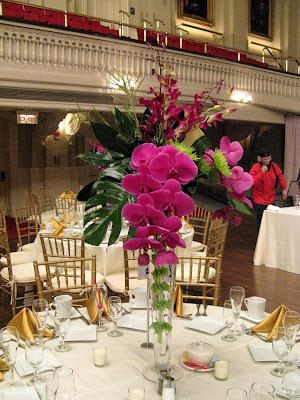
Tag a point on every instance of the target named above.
point(57, 247)
point(199, 220)
point(27, 197)
point(63, 206)
point(36, 202)
point(46, 199)
point(27, 226)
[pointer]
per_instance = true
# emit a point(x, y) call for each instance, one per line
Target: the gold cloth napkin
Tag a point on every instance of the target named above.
point(55, 223)
point(178, 301)
point(272, 321)
point(59, 231)
point(3, 367)
point(91, 307)
point(68, 195)
point(24, 321)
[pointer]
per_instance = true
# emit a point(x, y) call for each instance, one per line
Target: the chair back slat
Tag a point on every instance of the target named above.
point(200, 220)
point(56, 247)
point(27, 224)
point(46, 199)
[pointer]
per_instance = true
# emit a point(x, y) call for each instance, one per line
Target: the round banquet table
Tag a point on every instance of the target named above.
point(126, 361)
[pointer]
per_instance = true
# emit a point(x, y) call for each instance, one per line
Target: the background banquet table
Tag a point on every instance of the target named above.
point(278, 240)
point(126, 361)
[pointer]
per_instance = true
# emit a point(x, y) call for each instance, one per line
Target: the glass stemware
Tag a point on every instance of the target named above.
point(40, 310)
point(46, 383)
point(9, 339)
point(34, 352)
point(100, 295)
point(262, 391)
point(291, 383)
point(237, 294)
point(236, 394)
point(280, 349)
point(66, 384)
point(229, 318)
point(290, 321)
point(62, 322)
point(115, 313)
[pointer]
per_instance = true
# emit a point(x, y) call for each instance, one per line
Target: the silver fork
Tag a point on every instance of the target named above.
point(248, 331)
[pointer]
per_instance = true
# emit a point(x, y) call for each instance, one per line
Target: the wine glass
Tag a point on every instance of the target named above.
point(9, 339)
point(66, 384)
point(115, 313)
point(46, 383)
point(290, 322)
point(229, 317)
point(100, 295)
point(237, 294)
point(262, 391)
point(291, 383)
point(40, 310)
point(280, 349)
point(62, 322)
point(34, 352)
point(236, 394)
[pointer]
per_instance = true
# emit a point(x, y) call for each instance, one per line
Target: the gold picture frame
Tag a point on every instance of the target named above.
point(197, 11)
point(261, 18)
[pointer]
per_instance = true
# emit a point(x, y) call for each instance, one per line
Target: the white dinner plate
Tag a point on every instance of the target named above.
point(206, 324)
point(23, 368)
point(244, 314)
point(131, 321)
point(262, 351)
point(86, 333)
point(74, 313)
point(20, 393)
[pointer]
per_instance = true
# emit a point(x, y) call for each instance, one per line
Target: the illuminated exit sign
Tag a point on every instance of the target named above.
point(30, 118)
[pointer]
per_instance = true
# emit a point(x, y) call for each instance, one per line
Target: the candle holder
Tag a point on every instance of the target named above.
point(100, 356)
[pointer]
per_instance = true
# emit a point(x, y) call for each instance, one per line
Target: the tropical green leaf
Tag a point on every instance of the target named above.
point(113, 172)
point(102, 158)
point(107, 185)
point(124, 124)
point(108, 137)
point(240, 206)
point(201, 144)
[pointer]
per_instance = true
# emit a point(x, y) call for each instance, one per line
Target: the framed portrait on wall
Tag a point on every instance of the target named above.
point(199, 11)
point(261, 18)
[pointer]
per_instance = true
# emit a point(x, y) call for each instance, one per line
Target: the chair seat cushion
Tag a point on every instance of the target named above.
point(211, 273)
point(27, 247)
point(116, 282)
point(71, 281)
point(17, 257)
point(23, 273)
point(199, 253)
point(197, 246)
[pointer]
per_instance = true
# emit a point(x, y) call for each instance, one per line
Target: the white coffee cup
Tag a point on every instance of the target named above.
point(67, 232)
point(140, 296)
point(183, 227)
point(62, 303)
point(256, 306)
point(49, 227)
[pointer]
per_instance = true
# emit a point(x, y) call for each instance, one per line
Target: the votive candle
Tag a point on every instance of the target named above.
point(136, 393)
point(222, 368)
point(100, 356)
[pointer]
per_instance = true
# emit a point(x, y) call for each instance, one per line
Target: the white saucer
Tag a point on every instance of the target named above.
point(133, 305)
point(244, 314)
point(183, 358)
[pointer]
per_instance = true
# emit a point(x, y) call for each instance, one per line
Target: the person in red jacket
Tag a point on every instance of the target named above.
point(265, 173)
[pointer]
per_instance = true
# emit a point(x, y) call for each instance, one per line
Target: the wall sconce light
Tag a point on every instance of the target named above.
point(70, 125)
point(241, 97)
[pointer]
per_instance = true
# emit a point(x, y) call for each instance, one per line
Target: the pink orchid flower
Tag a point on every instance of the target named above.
point(171, 237)
point(172, 199)
point(173, 164)
point(239, 180)
point(165, 257)
point(241, 197)
point(142, 182)
point(142, 241)
point(143, 154)
point(144, 259)
point(236, 220)
point(233, 152)
point(143, 212)
point(209, 157)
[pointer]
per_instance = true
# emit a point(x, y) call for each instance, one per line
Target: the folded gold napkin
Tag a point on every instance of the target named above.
point(55, 223)
point(24, 321)
point(68, 195)
point(178, 301)
point(91, 307)
point(272, 321)
point(59, 231)
point(3, 367)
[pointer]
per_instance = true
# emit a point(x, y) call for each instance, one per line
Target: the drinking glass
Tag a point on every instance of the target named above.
point(237, 294)
point(62, 322)
point(46, 383)
point(262, 391)
point(66, 384)
point(236, 394)
point(280, 349)
point(291, 383)
point(290, 322)
point(115, 313)
point(100, 295)
point(9, 339)
point(229, 318)
point(40, 310)
point(34, 352)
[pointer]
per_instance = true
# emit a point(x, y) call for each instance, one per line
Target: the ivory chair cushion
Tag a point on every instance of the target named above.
point(199, 253)
point(23, 273)
point(88, 277)
point(27, 247)
point(197, 246)
point(17, 257)
point(116, 282)
point(211, 272)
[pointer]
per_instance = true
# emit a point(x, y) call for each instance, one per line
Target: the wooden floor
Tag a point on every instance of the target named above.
point(278, 287)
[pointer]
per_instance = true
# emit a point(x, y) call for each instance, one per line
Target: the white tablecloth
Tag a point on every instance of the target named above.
point(279, 239)
point(126, 361)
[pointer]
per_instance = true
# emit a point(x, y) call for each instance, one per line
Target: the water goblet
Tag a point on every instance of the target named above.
point(62, 322)
point(237, 295)
point(40, 308)
point(66, 384)
point(262, 391)
point(9, 340)
point(229, 318)
point(290, 321)
point(291, 383)
point(115, 313)
point(280, 349)
point(236, 393)
point(46, 383)
point(34, 352)
point(100, 295)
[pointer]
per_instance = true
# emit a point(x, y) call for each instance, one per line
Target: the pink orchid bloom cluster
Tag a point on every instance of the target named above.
point(160, 201)
point(165, 121)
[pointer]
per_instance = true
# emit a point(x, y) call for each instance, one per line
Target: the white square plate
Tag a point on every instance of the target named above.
point(262, 351)
point(206, 324)
point(279, 390)
point(20, 393)
point(74, 313)
point(244, 314)
point(131, 321)
point(82, 334)
point(23, 368)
